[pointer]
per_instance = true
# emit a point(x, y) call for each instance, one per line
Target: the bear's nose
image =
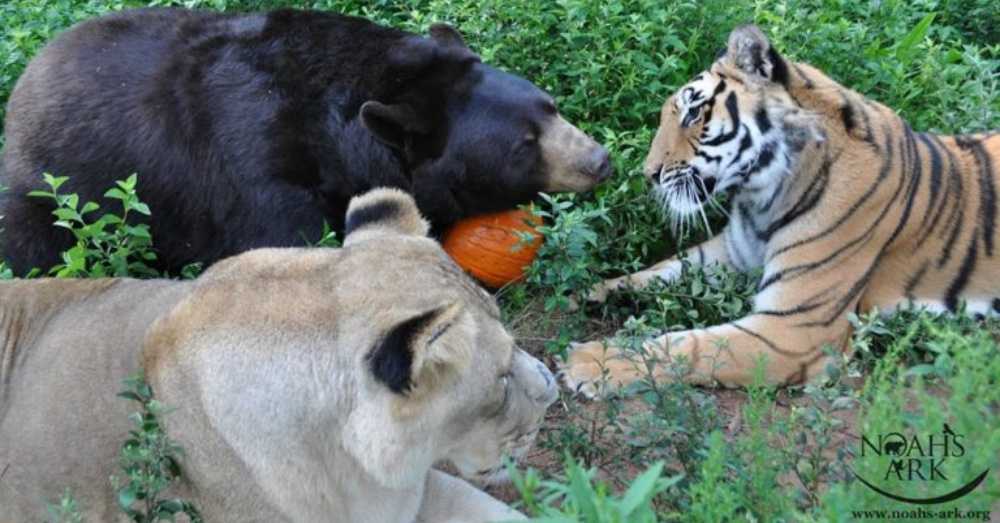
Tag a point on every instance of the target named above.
point(599, 165)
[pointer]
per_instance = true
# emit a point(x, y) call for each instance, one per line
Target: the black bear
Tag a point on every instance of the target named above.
point(251, 130)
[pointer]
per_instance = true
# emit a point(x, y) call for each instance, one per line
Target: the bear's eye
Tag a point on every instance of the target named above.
point(525, 146)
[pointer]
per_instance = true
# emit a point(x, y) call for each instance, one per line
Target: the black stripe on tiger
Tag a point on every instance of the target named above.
point(952, 238)
point(762, 120)
point(779, 70)
point(987, 191)
point(847, 114)
point(964, 273)
point(778, 191)
point(953, 224)
point(734, 115)
point(915, 279)
point(798, 309)
point(810, 197)
point(931, 215)
point(770, 344)
point(745, 143)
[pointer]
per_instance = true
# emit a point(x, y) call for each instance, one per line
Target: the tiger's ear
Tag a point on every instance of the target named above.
point(409, 357)
point(750, 51)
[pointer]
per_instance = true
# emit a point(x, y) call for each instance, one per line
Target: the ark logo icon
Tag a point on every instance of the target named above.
point(918, 458)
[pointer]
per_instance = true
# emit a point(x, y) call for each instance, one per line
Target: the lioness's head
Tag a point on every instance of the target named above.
point(734, 127)
point(383, 353)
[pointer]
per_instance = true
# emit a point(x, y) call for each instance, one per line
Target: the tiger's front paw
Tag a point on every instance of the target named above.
point(597, 294)
point(595, 368)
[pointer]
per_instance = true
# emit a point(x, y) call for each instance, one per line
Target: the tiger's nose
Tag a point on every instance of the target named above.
point(652, 173)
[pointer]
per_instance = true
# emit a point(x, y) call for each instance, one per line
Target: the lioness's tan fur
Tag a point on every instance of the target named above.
point(266, 359)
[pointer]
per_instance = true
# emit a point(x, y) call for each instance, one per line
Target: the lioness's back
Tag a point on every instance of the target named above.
point(64, 346)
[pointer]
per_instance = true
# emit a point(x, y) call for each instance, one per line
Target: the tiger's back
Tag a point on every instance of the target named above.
point(921, 207)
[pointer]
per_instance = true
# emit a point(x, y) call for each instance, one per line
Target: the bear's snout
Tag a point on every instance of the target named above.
point(599, 164)
point(573, 160)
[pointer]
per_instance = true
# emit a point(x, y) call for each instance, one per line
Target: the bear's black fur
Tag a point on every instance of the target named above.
point(251, 130)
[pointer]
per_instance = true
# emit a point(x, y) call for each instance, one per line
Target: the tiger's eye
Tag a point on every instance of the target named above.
point(691, 116)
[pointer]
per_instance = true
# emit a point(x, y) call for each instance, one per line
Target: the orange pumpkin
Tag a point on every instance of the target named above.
point(489, 249)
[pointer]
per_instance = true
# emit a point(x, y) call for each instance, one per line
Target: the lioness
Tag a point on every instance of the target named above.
point(309, 385)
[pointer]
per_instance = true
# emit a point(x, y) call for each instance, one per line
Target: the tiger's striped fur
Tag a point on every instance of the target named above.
point(844, 206)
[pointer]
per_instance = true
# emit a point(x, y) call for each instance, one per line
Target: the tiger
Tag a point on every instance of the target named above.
point(841, 203)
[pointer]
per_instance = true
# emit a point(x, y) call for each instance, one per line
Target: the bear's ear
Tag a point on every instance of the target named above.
point(447, 35)
point(409, 357)
point(420, 76)
point(750, 51)
point(383, 210)
point(394, 124)
point(438, 59)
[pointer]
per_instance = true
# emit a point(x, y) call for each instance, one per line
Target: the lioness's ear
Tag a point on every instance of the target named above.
point(749, 51)
point(384, 210)
point(409, 357)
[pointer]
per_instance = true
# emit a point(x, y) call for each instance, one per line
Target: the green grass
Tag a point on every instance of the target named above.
point(610, 64)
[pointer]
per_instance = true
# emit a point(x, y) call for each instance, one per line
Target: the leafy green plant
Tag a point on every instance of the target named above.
point(150, 461)
point(107, 246)
point(564, 263)
point(327, 238)
point(66, 510)
point(579, 499)
point(714, 498)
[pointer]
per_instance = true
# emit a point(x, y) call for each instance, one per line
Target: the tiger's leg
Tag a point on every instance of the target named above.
point(794, 320)
point(725, 354)
point(712, 251)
